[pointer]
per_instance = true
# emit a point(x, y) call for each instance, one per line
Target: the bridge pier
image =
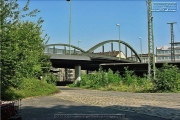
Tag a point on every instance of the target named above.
point(77, 73)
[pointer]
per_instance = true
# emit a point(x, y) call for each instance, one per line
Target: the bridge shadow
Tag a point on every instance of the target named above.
point(53, 111)
point(63, 83)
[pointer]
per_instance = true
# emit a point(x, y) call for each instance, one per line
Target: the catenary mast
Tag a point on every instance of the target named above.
point(151, 59)
point(172, 42)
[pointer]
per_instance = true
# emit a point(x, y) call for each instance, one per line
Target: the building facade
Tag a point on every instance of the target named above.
point(144, 58)
point(164, 53)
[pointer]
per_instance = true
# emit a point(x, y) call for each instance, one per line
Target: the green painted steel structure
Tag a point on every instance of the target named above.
point(90, 51)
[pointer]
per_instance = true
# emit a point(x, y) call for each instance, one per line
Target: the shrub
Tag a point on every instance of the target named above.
point(50, 78)
point(167, 78)
point(113, 81)
point(98, 79)
point(113, 77)
point(129, 77)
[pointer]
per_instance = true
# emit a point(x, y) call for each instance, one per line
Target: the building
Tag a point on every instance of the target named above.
point(144, 58)
point(113, 54)
point(164, 53)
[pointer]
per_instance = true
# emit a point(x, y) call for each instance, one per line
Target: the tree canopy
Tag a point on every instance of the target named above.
point(22, 44)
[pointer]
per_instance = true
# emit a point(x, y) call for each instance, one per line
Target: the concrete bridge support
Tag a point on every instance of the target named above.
point(77, 73)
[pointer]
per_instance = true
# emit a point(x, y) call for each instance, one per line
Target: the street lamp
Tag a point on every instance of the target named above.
point(79, 42)
point(141, 47)
point(119, 42)
point(70, 25)
point(119, 29)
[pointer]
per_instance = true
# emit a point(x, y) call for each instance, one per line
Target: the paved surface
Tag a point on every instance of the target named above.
point(102, 105)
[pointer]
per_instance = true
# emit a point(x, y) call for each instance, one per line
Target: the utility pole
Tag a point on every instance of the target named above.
point(70, 26)
point(172, 41)
point(151, 59)
point(141, 47)
point(119, 42)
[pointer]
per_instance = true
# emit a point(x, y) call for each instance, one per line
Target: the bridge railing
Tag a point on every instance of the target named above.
point(61, 51)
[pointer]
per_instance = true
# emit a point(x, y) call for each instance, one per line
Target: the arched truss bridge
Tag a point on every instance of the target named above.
point(122, 51)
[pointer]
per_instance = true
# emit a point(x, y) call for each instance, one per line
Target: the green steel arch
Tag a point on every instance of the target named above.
point(110, 41)
point(67, 45)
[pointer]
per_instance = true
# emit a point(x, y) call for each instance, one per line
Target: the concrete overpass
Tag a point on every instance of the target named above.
point(89, 60)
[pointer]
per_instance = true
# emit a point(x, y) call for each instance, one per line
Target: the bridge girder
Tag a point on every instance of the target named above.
point(111, 41)
point(99, 45)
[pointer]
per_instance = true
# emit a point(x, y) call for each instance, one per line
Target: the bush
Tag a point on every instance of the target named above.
point(167, 78)
point(113, 77)
point(50, 78)
point(113, 81)
point(129, 77)
point(98, 79)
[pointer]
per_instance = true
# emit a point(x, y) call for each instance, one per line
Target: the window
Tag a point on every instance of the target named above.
point(177, 57)
point(159, 58)
point(177, 51)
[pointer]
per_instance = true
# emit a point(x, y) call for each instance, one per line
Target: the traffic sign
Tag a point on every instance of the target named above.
point(164, 6)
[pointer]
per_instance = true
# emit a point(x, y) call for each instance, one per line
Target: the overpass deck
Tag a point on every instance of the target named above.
point(138, 68)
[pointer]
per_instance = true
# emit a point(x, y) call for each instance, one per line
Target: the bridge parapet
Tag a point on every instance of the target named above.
point(62, 49)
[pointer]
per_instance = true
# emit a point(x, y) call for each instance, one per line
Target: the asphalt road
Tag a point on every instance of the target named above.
point(53, 108)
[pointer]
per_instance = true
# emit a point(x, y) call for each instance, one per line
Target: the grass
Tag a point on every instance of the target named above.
point(30, 88)
point(126, 88)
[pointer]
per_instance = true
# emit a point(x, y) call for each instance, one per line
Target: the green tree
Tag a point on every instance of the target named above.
point(22, 45)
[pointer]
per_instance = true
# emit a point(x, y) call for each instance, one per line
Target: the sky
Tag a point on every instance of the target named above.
point(94, 21)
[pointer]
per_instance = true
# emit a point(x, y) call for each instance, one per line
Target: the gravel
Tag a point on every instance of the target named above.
point(126, 105)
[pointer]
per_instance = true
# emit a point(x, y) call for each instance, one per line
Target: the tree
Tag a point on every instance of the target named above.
point(22, 45)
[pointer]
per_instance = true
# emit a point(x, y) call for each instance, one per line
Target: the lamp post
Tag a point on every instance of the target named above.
point(70, 25)
point(141, 47)
point(119, 41)
point(79, 42)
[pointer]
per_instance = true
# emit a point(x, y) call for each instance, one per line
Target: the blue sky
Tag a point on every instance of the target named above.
point(94, 21)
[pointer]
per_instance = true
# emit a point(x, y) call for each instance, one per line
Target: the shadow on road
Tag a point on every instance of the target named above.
point(63, 83)
point(83, 112)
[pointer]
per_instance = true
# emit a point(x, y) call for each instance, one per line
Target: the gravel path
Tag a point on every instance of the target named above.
point(136, 106)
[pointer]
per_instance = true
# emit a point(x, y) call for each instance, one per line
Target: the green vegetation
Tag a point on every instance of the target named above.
point(29, 88)
point(167, 80)
point(22, 53)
